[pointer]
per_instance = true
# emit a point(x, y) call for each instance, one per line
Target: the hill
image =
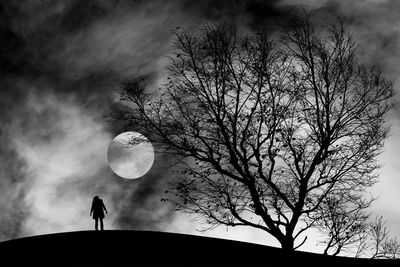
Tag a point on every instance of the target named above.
point(146, 248)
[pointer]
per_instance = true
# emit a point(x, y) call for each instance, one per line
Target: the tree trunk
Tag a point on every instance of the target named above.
point(287, 244)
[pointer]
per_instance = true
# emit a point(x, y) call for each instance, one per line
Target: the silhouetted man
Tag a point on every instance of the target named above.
point(98, 209)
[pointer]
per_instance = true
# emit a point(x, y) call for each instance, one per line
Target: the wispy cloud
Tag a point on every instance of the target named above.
point(63, 147)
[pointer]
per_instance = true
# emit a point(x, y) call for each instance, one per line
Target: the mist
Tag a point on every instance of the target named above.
point(61, 64)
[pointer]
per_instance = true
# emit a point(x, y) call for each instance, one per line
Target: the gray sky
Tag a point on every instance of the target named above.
point(60, 64)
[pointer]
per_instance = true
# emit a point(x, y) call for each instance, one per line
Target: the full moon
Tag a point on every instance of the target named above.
point(130, 155)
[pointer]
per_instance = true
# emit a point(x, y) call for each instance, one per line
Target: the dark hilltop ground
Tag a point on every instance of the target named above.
point(145, 248)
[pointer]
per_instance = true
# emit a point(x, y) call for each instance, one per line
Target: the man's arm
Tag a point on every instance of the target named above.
point(104, 207)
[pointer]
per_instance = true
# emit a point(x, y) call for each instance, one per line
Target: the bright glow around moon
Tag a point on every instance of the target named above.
point(130, 155)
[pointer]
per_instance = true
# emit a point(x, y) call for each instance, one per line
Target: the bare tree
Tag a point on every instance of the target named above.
point(268, 127)
point(379, 242)
point(345, 223)
point(379, 234)
point(352, 231)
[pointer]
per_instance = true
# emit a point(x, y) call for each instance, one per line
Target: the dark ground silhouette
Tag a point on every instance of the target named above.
point(144, 248)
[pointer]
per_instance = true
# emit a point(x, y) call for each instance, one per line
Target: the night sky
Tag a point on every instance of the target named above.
point(61, 63)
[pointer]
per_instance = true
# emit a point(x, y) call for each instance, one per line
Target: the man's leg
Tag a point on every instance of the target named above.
point(101, 224)
point(96, 223)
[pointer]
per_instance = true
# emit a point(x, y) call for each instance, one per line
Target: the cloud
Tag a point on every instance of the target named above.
point(63, 147)
point(60, 62)
point(125, 43)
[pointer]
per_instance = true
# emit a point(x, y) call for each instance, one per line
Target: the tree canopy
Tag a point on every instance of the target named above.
point(275, 130)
